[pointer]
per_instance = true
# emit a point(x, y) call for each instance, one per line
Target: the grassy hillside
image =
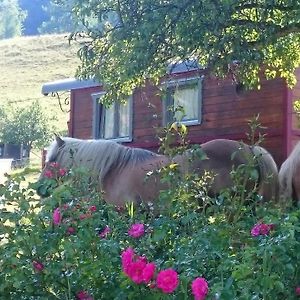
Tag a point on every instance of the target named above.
point(26, 63)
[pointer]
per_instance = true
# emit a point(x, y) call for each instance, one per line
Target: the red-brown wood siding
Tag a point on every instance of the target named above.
point(295, 119)
point(225, 114)
point(81, 114)
point(147, 117)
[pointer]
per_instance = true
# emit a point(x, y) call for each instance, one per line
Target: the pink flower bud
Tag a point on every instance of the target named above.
point(103, 234)
point(57, 216)
point(83, 295)
point(71, 230)
point(38, 266)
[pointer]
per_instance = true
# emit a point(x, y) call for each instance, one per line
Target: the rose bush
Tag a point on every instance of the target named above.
point(72, 245)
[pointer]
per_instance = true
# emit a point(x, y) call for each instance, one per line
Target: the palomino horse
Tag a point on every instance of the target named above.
point(121, 170)
point(289, 176)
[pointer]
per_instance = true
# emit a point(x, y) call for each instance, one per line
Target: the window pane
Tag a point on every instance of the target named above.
point(124, 119)
point(188, 98)
point(109, 122)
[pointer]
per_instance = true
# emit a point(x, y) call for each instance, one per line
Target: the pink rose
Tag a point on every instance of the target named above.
point(136, 267)
point(135, 270)
point(56, 216)
point(148, 272)
point(167, 280)
point(85, 216)
point(83, 295)
point(136, 230)
point(54, 165)
point(48, 174)
point(199, 288)
point(297, 290)
point(103, 234)
point(38, 266)
point(261, 229)
point(93, 208)
point(127, 258)
point(62, 172)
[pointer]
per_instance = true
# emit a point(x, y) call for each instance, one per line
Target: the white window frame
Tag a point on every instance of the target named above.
point(98, 125)
point(170, 86)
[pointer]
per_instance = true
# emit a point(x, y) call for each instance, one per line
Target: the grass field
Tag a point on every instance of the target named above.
point(26, 63)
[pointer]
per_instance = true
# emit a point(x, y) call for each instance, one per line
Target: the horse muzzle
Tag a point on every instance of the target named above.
point(44, 187)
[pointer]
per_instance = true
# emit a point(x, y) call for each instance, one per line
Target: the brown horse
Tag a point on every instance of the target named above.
point(121, 170)
point(289, 179)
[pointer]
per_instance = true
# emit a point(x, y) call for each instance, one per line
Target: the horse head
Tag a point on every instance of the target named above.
point(52, 169)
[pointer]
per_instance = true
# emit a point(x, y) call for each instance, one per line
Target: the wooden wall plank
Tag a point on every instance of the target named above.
point(225, 113)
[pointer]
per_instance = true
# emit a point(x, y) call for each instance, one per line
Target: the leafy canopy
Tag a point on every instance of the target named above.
point(137, 39)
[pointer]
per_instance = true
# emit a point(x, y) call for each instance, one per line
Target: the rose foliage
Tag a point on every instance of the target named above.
point(72, 245)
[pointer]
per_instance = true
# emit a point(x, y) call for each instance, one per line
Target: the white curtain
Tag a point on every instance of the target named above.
point(116, 121)
point(188, 98)
point(124, 119)
point(109, 122)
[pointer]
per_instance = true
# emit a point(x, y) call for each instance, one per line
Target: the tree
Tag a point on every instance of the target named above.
point(11, 18)
point(36, 15)
point(28, 126)
point(60, 19)
point(137, 39)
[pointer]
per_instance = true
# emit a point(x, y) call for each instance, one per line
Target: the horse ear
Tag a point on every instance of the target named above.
point(60, 142)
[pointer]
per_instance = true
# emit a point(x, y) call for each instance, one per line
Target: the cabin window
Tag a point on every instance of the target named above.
point(113, 123)
point(183, 101)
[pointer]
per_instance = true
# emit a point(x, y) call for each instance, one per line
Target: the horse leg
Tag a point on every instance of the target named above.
point(296, 190)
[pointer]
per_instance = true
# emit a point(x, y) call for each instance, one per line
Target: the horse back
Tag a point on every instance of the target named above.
point(223, 156)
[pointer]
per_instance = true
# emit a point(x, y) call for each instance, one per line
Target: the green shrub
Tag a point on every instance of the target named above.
point(69, 244)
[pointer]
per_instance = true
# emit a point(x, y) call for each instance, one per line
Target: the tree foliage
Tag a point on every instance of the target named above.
point(28, 126)
point(137, 39)
point(11, 17)
point(32, 17)
point(61, 19)
point(36, 15)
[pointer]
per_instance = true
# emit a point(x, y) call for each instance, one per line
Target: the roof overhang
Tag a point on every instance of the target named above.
point(67, 85)
point(183, 66)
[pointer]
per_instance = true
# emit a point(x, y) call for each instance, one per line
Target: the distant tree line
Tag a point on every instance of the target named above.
point(34, 17)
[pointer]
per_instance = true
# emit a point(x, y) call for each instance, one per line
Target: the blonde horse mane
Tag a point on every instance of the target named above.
point(98, 156)
point(287, 171)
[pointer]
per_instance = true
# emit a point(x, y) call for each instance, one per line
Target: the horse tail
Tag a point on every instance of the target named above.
point(268, 174)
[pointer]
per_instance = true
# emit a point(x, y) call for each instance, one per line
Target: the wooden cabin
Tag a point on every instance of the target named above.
point(213, 109)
